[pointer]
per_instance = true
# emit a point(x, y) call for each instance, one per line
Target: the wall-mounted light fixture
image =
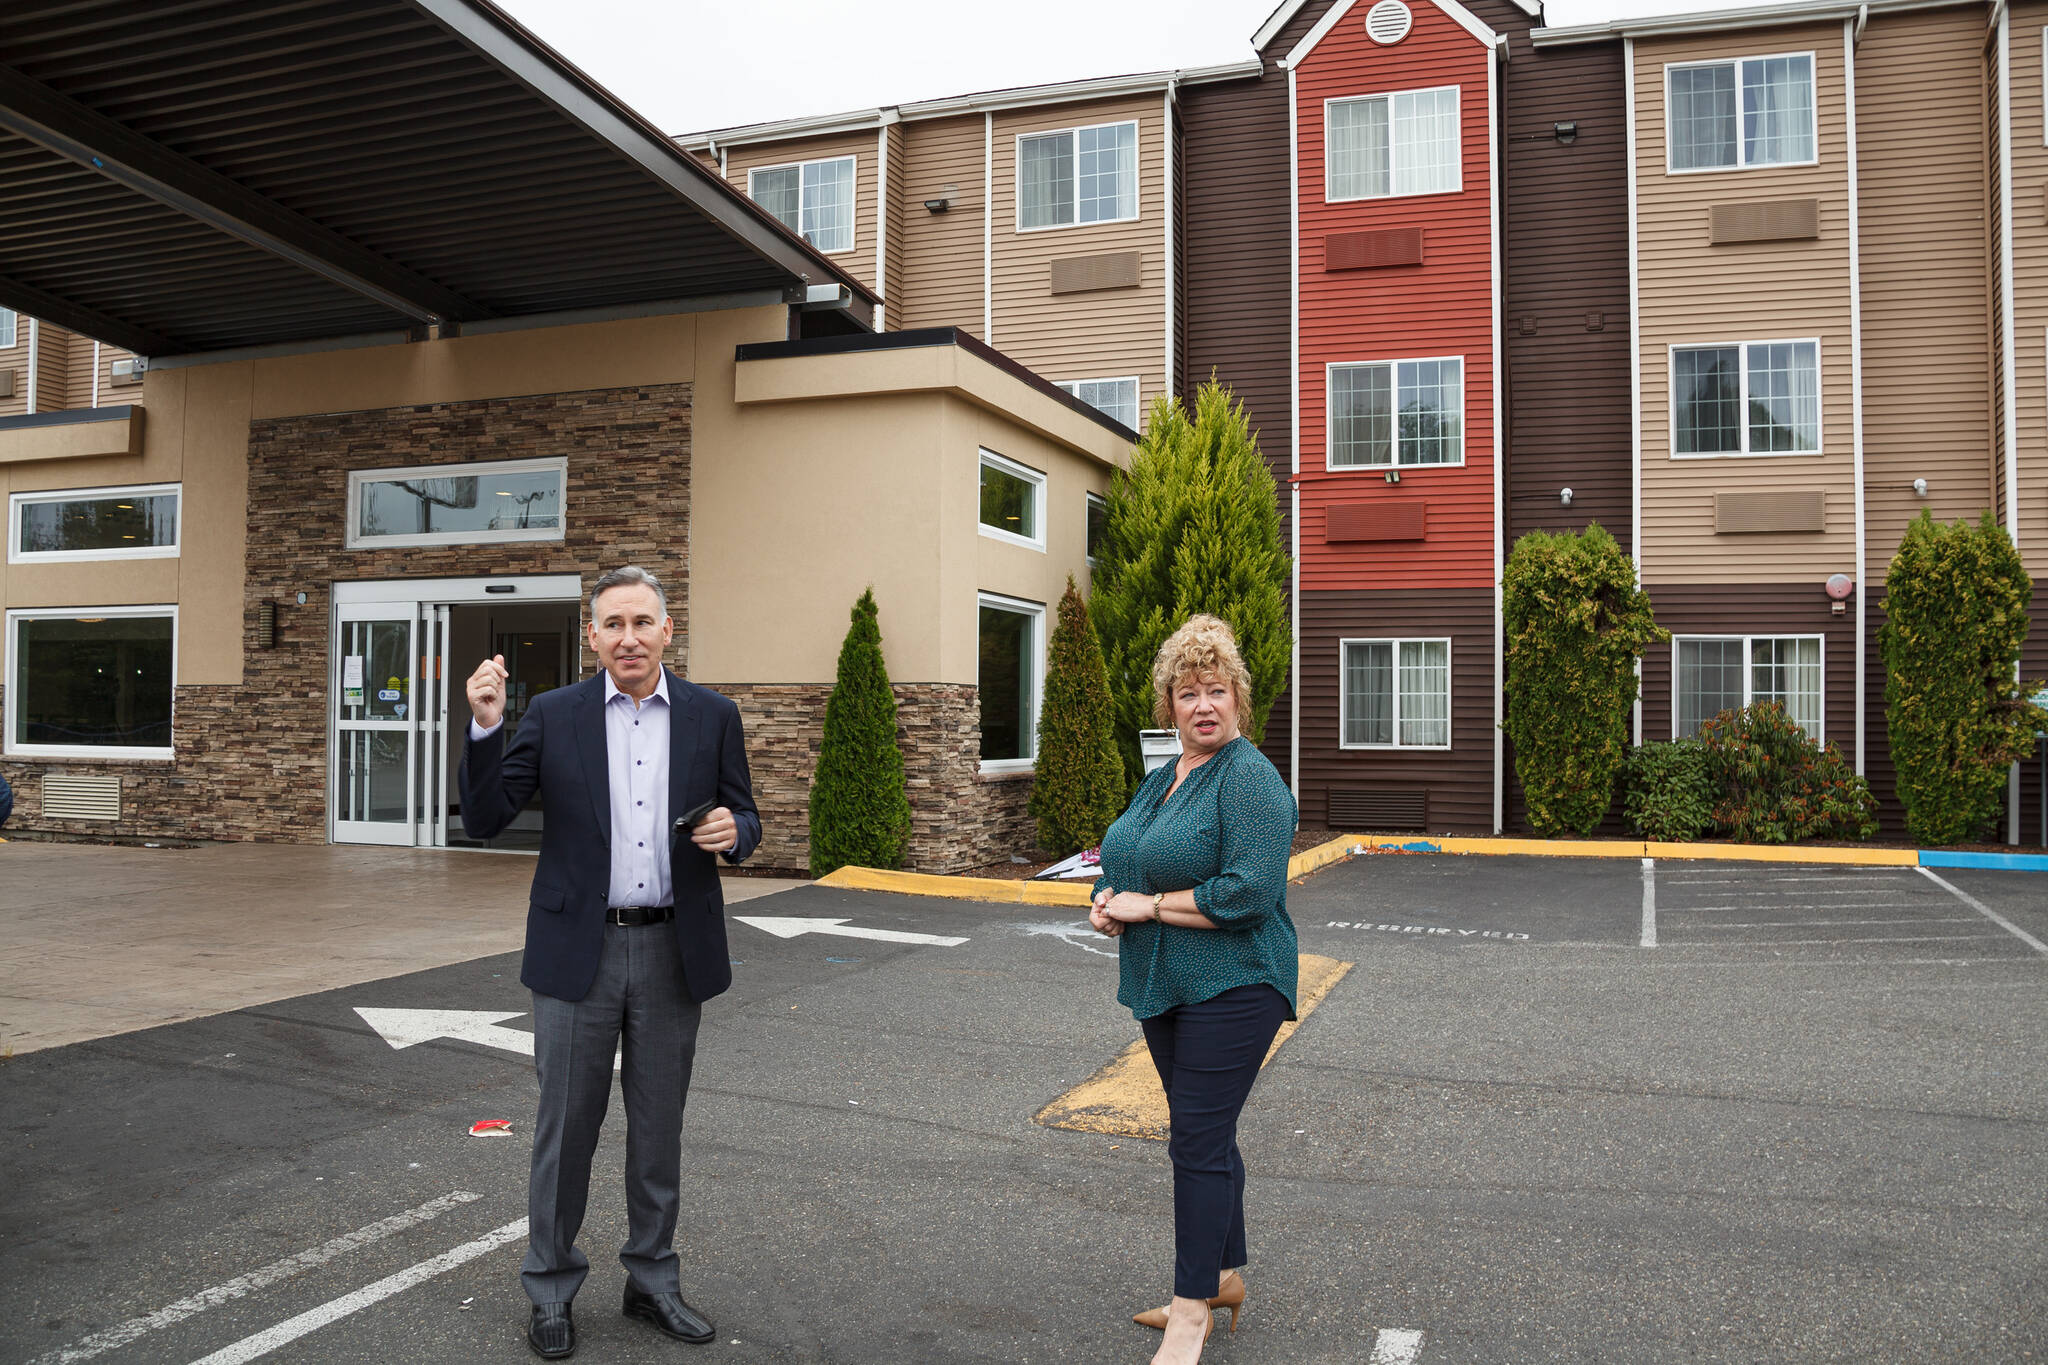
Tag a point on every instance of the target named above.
point(939, 205)
point(1920, 488)
point(1564, 496)
point(1393, 476)
point(1839, 586)
point(1565, 133)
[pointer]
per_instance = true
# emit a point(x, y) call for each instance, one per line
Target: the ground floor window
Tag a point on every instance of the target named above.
point(1397, 694)
point(91, 682)
point(1012, 665)
point(1098, 523)
point(1716, 673)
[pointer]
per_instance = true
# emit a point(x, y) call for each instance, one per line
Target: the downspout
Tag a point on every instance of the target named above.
point(95, 374)
point(1166, 213)
point(2008, 363)
point(882, 225)
point(35, 360)
point(988, 227)
point(1493, 172)
point(1851, 33)
point(1294, 386)
point(1635, 351)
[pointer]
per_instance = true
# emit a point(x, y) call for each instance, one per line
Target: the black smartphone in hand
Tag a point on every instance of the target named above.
point(691, 816)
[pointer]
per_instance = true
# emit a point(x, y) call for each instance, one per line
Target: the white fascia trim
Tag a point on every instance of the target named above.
point(1729, 20)
point(1635, 349)
point(1849, 27)
point(35, 361)
point(1012, 97)
point(988, 229)
point(1294, 389)
point(1500, 656)
point(1284, 15)
point(2009, 363)
point(1463, 17)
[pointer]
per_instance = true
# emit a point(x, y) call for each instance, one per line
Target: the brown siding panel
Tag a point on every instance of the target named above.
point(1753, 513)
point(1080, 274)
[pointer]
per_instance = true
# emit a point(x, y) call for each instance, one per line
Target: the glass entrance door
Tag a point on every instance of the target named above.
point(376, 677)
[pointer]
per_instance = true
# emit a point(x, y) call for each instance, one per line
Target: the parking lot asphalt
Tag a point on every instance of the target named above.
point(1808, 1124)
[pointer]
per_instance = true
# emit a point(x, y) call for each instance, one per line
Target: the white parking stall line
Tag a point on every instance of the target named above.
point(1987, 912)
point(1836, 942)
point(291, 1329)
point(122, 1333)
point(1723, 909)
point(1753, 881)
point(1394, 1346)
point(1893, 888)
point(1836, 923)
point(1649, 939)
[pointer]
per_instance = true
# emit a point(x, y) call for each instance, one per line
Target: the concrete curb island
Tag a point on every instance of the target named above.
point(1076, 893)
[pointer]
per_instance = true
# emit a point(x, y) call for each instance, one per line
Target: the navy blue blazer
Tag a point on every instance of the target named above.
point(560, 751)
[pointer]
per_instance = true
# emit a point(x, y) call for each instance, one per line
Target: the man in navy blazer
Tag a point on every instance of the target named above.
point(625, 931)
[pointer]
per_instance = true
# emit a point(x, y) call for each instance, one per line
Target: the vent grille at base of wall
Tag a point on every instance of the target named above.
point(1370, 808)
point(81, 798)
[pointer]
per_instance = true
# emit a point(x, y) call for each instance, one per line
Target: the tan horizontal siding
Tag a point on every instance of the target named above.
point(894, 212)
point(1692, 292)
point(858, 260)
point(112, 394)
point(2030, 292)
point(939, 282)
point(1926, 324)
point(1101, 334)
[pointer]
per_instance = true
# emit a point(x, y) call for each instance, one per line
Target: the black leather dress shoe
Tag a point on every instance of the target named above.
point(551, 1332)
point(668, 1312)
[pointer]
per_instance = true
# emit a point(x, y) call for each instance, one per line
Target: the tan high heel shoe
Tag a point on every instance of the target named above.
point(1229, 1294)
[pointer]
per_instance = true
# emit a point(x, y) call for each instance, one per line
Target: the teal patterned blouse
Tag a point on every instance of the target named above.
point(1226, 833)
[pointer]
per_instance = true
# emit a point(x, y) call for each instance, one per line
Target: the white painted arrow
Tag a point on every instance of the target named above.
point(408, 1028)
point(783, 926)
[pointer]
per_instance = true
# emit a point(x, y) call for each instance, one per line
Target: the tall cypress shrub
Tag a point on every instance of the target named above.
point(1193, 526)
point(860, 813)
point(1079, 789)
point(1955, 618)
point(1576, 622)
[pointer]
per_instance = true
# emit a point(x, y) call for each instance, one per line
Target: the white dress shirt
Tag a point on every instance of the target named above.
point(636, 753)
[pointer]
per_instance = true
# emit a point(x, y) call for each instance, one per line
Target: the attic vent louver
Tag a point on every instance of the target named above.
point(1388, 22)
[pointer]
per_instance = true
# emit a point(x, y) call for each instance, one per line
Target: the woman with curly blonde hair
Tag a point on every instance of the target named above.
point(1194, 884)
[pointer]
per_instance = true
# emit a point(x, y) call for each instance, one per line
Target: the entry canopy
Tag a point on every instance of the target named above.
point(209, 175)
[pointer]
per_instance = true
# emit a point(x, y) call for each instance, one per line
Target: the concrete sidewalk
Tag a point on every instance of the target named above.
point(98, 940)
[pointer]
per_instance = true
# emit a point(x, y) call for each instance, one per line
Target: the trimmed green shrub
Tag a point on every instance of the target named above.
point(860, 813)
point(1192, 526)
point(1576, 622)
point(1666, 793)
point(1955, 618)
point(1773, 785)
point(1079, 790)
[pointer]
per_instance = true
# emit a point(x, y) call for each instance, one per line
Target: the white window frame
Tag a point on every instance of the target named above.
point(1749, 675)
point(1094, 500)
point(1741, 155)
point(1036, 612)
point(1457, 98)
point(354, 540)
point(1330, 415)
point(1137, 176)
point(1072, 388)
point(15, 691)
point(853, 188)
point(991, 460)
point(16, 501)
point(1820, 432)
point(10, 328)
point(1450, 689)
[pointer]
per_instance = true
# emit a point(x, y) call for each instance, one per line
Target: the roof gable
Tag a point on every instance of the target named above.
point(1458, 14)
point(1284, 15)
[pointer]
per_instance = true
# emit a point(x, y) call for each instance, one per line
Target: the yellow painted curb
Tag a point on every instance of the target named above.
point(1629, 848)
point(1787, 853)
point(1125, 1099)
point(994, 889)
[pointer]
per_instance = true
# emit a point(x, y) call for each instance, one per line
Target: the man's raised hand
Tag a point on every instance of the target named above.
point(487, 692)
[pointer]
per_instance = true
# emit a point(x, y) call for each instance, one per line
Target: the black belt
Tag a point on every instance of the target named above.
point(630, 915)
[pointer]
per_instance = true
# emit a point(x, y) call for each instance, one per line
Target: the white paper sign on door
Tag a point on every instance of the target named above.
point(352, 680)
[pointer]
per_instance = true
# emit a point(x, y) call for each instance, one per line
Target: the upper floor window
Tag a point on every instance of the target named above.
point(1762, 398)
point(1077, 175)
point(1012, 501)
point(1738, 114)
point(811, 198)
point(1397, 412)
point(7, 329)
point(94, 523)
point(1403, 143)
point(461, 504)
point(1116, 398)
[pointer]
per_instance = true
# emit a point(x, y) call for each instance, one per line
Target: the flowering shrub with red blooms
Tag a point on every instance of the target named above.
point(1773, 785)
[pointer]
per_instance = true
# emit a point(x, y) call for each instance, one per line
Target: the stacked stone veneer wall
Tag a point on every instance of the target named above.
point(958, 818)
point(251, 761)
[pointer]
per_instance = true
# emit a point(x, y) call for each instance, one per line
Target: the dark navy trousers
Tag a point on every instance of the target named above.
point(1208, 1055)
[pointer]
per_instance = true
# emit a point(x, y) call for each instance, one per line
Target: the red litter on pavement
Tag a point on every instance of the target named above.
point(491, 1128)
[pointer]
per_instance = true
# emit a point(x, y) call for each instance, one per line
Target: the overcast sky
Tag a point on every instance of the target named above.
point(691, 65)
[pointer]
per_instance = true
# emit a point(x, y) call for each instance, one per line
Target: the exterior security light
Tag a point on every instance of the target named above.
point(1393, 476)
point(939, 205)
point(1565, 133)
point(1564, 496)
point(1920, 487)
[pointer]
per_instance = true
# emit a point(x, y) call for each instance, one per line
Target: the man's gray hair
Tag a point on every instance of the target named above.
point(630, 576)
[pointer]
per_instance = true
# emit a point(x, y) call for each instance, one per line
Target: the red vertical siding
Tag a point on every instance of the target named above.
point(1443, 307)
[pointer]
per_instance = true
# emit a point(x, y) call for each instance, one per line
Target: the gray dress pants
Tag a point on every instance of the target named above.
point(639, 1008)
